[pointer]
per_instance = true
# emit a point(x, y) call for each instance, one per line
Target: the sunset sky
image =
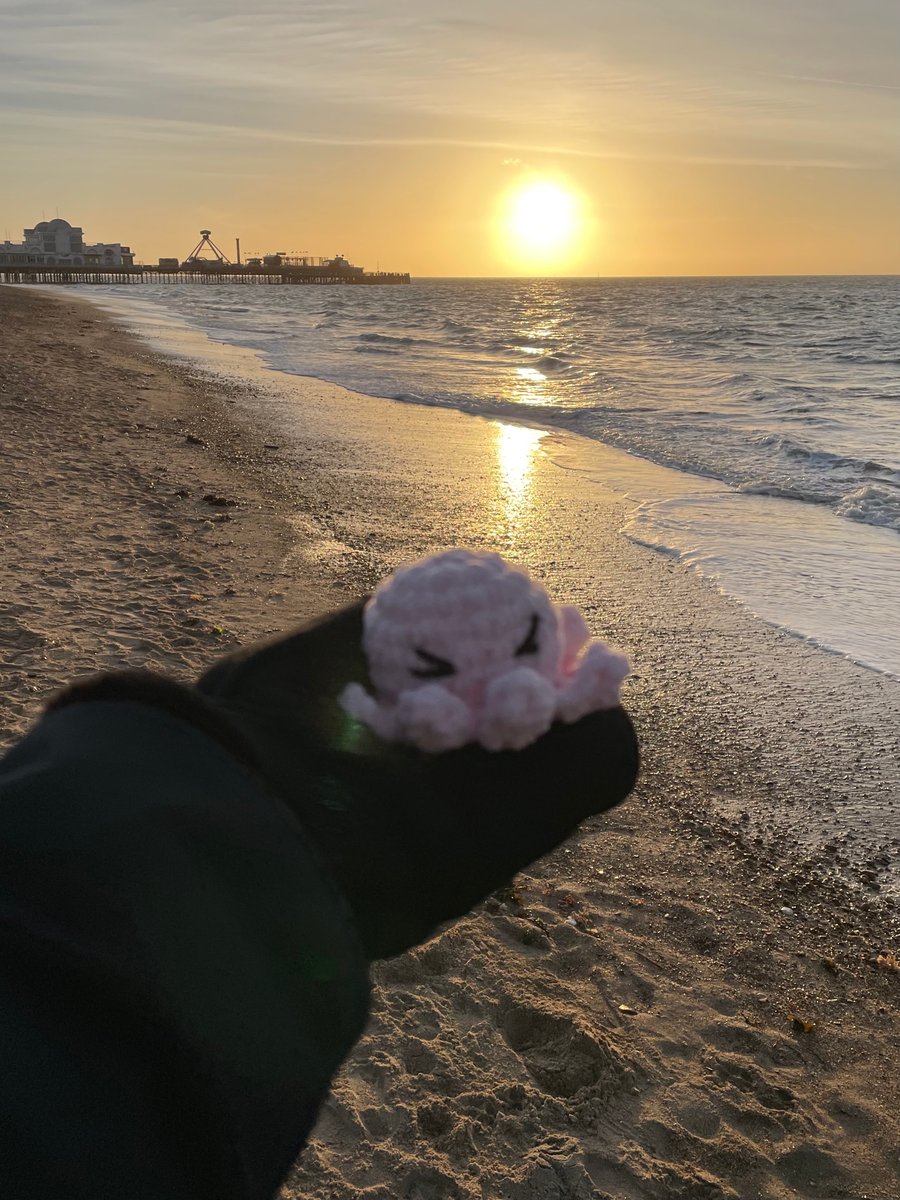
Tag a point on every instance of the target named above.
point(691, 136)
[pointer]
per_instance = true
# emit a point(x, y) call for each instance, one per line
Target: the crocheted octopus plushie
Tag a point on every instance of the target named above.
point(464, 647)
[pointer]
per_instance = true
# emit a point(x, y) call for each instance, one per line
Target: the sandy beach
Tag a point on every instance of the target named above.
point(684, 1001)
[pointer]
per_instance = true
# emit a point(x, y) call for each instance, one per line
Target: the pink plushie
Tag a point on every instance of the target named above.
point(464, 647)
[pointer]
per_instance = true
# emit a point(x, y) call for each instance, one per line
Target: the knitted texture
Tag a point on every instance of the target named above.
point(465, 647)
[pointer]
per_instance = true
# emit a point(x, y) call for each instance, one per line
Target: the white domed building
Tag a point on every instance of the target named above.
point(56, 243)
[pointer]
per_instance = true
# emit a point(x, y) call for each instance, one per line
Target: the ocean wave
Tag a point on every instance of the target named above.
point(780, 441)
point(885, 474)
point(406, 340)
point(873, 504)
point(783, 491)
point(859, 359)
point(552, 364)
point(825, 458)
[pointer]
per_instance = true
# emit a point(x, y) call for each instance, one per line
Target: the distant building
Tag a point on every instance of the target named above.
point(58, 244)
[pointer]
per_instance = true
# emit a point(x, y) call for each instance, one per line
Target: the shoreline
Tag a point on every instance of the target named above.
point(802, 562)
point(686, 895)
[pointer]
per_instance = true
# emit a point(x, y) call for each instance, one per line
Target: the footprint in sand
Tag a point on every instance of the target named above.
point(559, 1056)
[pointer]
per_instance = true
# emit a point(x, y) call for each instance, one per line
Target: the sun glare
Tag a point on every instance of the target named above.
point(541, 223)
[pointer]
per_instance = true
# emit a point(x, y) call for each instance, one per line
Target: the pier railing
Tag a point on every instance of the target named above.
point(37, 273)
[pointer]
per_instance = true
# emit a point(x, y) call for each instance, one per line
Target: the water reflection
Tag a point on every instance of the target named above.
point(530, 386)
point(536, 337)
point(516, 448)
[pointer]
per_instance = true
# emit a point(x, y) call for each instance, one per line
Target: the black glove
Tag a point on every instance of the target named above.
point(413, 839)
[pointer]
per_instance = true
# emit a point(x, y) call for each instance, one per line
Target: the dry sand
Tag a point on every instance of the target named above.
point(620, 1023)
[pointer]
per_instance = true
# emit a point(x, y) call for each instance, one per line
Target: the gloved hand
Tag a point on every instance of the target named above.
point(413, 839)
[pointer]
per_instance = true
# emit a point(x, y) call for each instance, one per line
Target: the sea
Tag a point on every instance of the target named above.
point(752, 424)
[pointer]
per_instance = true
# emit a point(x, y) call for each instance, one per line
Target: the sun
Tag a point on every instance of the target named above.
point(541, 222)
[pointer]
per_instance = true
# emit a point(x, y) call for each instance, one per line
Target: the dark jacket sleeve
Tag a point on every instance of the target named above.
point(180, 975)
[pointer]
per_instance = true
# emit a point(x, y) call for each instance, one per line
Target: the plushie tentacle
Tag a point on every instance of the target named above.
point(518, 708)
point(357, 703)
point(595, 684)
point(433, 719)
point(574, 633)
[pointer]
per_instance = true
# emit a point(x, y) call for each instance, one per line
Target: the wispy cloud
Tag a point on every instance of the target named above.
point(588, 78)
point(866, 85)
point(178, 135)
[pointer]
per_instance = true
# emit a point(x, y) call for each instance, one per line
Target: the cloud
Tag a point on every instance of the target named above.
point(866, 85)
point(180, 136)
point(693, 82)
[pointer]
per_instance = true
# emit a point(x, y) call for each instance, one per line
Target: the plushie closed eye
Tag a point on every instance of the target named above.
point(530, 645)
point(433, 667)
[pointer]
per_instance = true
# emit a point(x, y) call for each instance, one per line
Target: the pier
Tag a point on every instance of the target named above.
point(208, 274)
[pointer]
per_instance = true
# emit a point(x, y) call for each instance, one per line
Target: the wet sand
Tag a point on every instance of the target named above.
point(620, 1022)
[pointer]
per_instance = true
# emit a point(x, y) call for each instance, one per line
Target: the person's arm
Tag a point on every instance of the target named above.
point(180, 975)
point(193, 881)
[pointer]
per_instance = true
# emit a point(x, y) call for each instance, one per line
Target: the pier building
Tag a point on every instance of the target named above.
point(56, 243)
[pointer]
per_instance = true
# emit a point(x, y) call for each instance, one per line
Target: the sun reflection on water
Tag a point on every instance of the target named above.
point(516, 448)
point(530, 386)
